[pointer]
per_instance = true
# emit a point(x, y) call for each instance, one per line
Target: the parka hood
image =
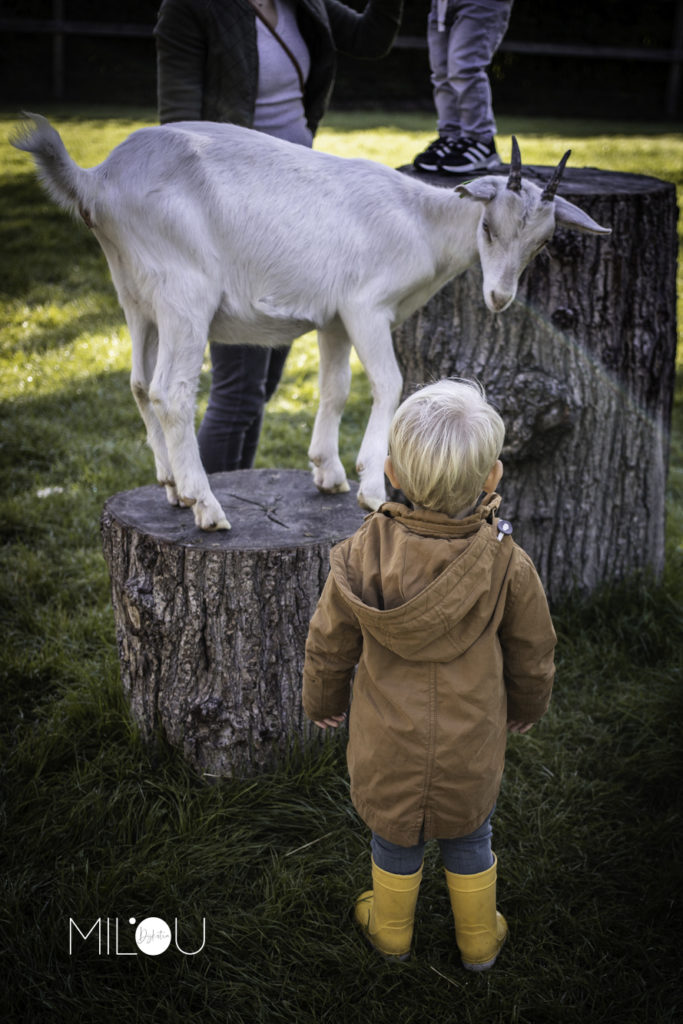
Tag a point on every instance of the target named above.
point(424, 601)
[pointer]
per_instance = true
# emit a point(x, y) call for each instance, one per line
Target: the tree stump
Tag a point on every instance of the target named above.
point(211, 627)
point(581, 368)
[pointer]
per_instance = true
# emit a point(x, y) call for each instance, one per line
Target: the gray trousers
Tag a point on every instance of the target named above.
point(459, 55)
point(467, 855)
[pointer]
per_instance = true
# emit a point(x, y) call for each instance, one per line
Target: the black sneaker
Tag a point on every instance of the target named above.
point(431, 158)
point(470, 155)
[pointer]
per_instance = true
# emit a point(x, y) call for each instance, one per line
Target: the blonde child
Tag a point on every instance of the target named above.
point(446, 620)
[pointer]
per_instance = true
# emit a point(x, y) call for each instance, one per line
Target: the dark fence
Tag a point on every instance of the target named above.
point(50, 56)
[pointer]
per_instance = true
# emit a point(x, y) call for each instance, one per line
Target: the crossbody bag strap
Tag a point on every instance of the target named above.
point(282, 43)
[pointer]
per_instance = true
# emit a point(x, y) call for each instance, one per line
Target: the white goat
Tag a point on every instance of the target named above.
point(211, 230)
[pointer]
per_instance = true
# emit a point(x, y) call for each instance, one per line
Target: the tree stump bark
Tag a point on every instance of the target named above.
point(581, 368)
point(211, 627)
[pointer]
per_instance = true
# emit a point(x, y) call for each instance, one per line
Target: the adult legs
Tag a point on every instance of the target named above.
point(244, 377)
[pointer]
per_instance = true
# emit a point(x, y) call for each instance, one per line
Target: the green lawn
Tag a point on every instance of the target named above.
point(94, 825)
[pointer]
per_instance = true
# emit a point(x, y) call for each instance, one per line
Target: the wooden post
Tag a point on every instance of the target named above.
point(211, 627)
point(581, 368)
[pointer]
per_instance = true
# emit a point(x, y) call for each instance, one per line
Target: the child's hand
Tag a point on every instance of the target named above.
point(333, 721)
point(520, 726)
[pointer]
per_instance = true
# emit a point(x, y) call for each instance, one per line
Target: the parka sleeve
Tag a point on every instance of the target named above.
point(528, 641)
point(368, 34)
point(333, 648)
point(180, 35)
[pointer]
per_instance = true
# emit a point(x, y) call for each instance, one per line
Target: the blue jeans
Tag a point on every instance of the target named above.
point(244, 378)
point(459, 57)
point(466, 855)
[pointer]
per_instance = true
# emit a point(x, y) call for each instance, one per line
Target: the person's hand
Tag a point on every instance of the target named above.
point(333, 721)
point(520, 727)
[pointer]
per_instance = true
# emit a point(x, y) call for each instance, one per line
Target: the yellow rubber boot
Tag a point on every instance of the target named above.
point(480, 930)
point(387, 911)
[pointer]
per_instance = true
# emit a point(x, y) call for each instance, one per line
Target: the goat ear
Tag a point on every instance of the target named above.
point(482, 190)
point(569, 216)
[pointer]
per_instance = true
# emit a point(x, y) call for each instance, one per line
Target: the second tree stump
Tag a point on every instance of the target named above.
point(211, 627)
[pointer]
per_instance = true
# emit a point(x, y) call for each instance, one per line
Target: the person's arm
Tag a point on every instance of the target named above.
point(181, 57)
point(369, 33)
point(333, 648)
point(528, 641)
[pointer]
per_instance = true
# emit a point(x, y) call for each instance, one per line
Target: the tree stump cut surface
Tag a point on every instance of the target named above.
point(211, 627)
point(581, 367)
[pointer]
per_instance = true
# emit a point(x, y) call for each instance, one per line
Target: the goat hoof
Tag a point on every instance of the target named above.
point(342, 488)
point(209, 516)
point(330, 481)
point(222, 524)
point(171, 494)
point(371, 504)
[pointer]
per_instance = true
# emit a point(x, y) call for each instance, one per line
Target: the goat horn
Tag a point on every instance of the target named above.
point(515, 178)
point(551, 188)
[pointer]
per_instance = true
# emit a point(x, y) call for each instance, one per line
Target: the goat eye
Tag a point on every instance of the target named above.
point(487, 231)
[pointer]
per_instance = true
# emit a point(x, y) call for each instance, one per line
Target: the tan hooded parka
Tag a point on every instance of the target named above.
point(450, 631)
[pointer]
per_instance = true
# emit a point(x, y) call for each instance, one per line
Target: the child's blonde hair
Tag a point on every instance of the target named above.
point(444, 441)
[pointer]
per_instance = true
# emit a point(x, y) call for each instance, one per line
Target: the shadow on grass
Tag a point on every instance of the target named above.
point(88, 411)
point(41, 248)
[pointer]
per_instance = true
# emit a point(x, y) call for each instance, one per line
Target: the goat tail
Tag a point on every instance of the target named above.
point(63, 179)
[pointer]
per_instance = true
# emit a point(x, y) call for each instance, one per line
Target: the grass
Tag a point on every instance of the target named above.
point(94, 824)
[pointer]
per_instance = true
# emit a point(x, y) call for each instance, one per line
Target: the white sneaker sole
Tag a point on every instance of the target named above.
point(475, 165)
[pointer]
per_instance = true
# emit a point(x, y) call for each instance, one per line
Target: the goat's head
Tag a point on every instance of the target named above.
point(517, 220)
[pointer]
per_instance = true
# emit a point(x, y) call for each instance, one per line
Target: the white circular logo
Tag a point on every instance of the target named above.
point(153, 936)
